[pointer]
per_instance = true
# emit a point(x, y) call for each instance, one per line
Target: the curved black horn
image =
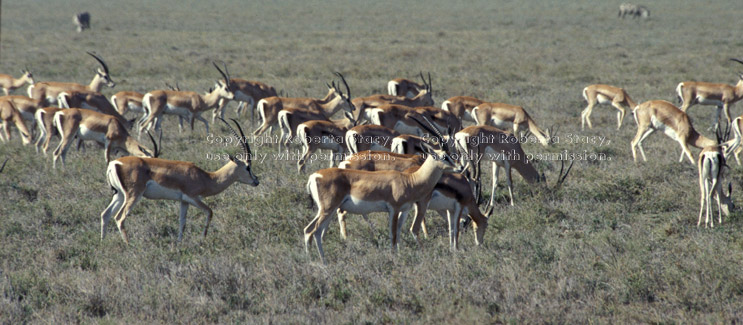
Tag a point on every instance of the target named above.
point(100, 60)
point(243, 140)
point(155, 145)
point(3, 166)
point(223, 73)
point(736, 60)
point(420, 73)
point(430, 88)
point(348, 89)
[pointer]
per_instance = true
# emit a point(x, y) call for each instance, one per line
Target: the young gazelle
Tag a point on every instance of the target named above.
point(710, 167)
point(10, 115)
point(105, 129)
point(132, 178)
point(607, 95)
point(363, 192)
point(461, 107)
point(8, 83)
point(504, 116)
point(660, 115)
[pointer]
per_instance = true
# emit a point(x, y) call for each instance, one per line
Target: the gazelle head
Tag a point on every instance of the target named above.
point(103, 73)
point(338, 93)
point(427, 93)
point(222, 88)
point(243, 164)
point(27, 76)
point(442, 155)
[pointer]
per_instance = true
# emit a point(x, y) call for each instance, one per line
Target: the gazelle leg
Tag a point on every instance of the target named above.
point(113, 207)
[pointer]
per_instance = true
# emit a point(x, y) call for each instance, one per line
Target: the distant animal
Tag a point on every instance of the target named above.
point(82, 21)
point(633, 10)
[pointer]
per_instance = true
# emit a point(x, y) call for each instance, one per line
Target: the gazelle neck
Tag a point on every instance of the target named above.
point(211, 99)
point(96, 84)
point(221, 179)
point(428, 174)
point(700, 141)
point(739, 89)
point(331, 106)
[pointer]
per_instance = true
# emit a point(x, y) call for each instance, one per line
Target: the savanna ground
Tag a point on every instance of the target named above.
point(618, 242)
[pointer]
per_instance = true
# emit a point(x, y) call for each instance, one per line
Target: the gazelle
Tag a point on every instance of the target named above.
point(290, 118)
point(400, 118)
point(247, 93)
point(125, 101)
point(10, 115)
point(321, 134)
point(451, 197)
point(90, 100)
point(48, 91)
point(405, 87)
point(461, 106)
point(363, 192)
point(269, 108)
point(81, 21)
point(8, 83)
point(105, 129)
point(186, 104)
point(660, 115)
point(362, 104)
point(710, 167)
point(504, 115)
point(369, 137)
point(27, 106)
point(132, 178)
point(502, 149)
point(45, 121)
point(704, 93)
point(607, 95)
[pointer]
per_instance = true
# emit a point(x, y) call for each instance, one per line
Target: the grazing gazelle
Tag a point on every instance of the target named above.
point(607, 95)
point(710, 167)
point(504, 115)
point(105, 129)
point(48, 91)
point(362, 192)
point(704, 93)
point(660, 115)
point(405, 87)
point(132, 178)
point(8, 83)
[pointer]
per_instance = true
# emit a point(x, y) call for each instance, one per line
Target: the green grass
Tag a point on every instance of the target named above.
point(618, 242)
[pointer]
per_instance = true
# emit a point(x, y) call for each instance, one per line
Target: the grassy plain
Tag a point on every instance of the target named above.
point(618, 242)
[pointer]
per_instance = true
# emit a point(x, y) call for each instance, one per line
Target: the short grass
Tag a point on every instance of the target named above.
point(618, 242)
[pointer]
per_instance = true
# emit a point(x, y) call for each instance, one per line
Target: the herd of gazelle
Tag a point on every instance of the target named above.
point(392, 180)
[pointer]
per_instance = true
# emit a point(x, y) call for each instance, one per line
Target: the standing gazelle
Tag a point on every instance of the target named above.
point(710, 167)
point(363, 192)
point(607, 95)
point(660, 115)
point(132, 178)
point(461, 106)
point(8, 83)
point(48, 91)
point(321, 134)
point(186, 104)
point(704, 93)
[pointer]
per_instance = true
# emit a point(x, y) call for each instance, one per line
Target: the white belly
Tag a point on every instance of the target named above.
point(156, 191)
point(135, 108)
point(87, 134)
point(603, 99)
point(243, 97)
point(670, 132)
point(501, 124)
point(706, 101)
point(177, 110)
point(359, 206)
